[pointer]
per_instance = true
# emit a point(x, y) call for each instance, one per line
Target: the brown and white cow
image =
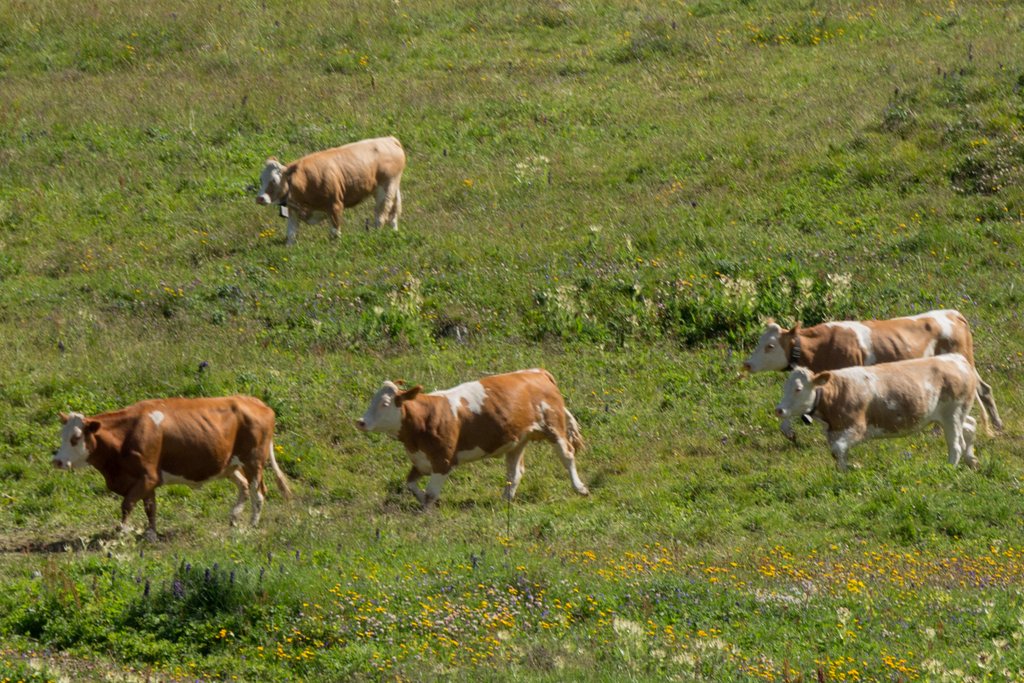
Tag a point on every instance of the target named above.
point(175, 441)
point(322, 184)
point(889, 399)
point(835, 345)
point(495, 416)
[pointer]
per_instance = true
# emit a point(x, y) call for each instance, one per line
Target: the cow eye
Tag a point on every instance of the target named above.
point(75, 440)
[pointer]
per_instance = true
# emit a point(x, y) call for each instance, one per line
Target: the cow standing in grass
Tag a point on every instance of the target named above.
point(890, 399)
point(835, 345)
point(324, 183)
point(176, 441)
point(495, 416)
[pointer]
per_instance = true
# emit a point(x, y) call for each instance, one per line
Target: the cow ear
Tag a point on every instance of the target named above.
point(64, 417)
point(398, 382)
point(821, 378)
point(91, 426)
point(408, 395)
point(270, 159)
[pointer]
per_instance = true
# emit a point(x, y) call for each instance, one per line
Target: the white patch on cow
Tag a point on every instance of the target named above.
point(473, 393)
point(270, 183)
point(797, 394)
point(383, 415)
point(157, 417)
point(421, 462)
point(958, 360)
point(72, 452)
point(475, 454)
point(945, 320)
point(434, 485)
point(929, 350)
point(863, 333)
point(168, 478)
point(769, 354)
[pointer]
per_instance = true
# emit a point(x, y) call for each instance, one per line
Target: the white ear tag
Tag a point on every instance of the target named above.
point(282, 211)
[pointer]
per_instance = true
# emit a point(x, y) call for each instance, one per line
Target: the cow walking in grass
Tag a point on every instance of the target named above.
point(890, 399)
point(495, 416)
point(176, 441)
point(323, 184)
point(835, 345)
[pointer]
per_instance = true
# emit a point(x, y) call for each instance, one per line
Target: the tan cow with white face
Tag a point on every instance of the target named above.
point(890, 399)
point(495, 416)
point(323, 184)
point(175, 441)
point(848, 343)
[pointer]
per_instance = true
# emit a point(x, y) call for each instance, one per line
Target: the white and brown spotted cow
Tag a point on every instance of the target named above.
point(885, 400)
point(495, 416)
point(323, 184)
point(175, 441)
point(835, 345)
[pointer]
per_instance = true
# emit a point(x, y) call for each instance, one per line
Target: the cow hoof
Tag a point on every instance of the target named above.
point(791, 437)
point(150, 536)
point(583, 491)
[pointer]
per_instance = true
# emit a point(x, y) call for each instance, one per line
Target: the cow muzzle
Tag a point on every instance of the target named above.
point(780, 411)
point(60, 464)
point(361, 425)
point(263, 199)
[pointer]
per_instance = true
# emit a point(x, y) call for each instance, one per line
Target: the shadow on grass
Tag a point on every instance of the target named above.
point(103, 540)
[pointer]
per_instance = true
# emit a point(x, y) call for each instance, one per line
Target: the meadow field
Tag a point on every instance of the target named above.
point(620, 192)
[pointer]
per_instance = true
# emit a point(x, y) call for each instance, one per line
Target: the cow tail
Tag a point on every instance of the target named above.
point(282, 481)
point(572, 428)
point(989, 412)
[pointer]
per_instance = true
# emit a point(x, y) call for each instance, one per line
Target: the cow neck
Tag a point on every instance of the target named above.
point(796, 351)
point(102, 449)
point(809, 416)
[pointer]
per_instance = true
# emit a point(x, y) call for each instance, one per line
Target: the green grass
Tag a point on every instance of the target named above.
point(619, 192)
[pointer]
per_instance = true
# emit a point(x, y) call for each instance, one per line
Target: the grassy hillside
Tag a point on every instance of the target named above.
point(619, 192)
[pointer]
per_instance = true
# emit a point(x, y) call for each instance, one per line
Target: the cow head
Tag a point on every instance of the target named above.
point(385, 412)
point(798, 393)
point(76, 437)
point(272, 184)
point(772, 352)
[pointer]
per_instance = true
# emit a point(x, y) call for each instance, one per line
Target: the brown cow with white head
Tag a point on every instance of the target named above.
point(890, 399)
point(175, 441)
point(322, 184)
point(848, 343)
point(495, 416)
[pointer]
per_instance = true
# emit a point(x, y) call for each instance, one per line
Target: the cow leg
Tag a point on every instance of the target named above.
point(382, 207)
point(336, 219)
point(142, 490)
point(149, 503)
point(256, 497)
point(243, 492)
point(434, 485)
point(412, 482)
point(568, 458)
point(970, 430)
point(786, 427)
point(293, 227)
point(952, 429)
point(515, 465)
point(396, 208)
point(840, 444)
